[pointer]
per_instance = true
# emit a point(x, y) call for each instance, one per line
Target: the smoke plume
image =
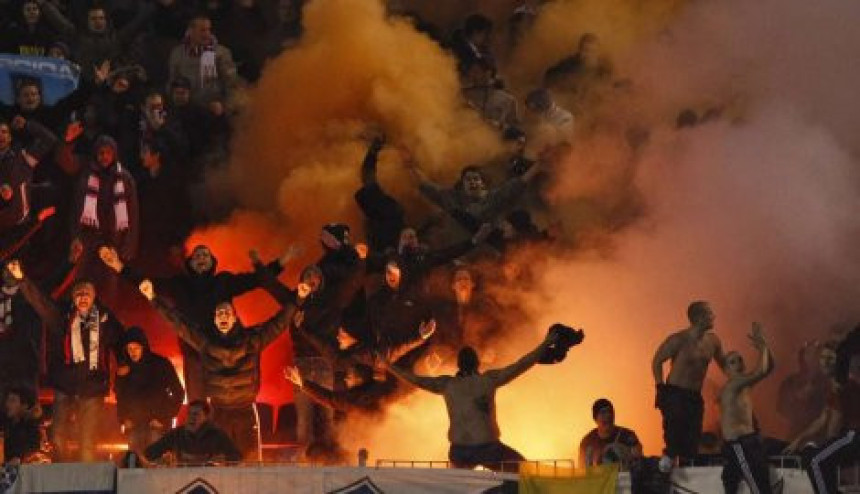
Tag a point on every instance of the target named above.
point(752, 210)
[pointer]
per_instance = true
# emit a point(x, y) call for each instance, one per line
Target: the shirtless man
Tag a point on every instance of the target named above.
point(470, 400)
point(679, 397)
point(743, 450)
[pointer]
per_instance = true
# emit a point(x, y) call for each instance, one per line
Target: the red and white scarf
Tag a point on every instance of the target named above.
point(90, 216)
point(208, 66)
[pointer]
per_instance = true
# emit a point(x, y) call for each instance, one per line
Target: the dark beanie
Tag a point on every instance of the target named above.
point(599, 405)
point(135, 335)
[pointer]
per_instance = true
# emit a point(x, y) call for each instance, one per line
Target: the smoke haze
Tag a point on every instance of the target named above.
point(753, 211)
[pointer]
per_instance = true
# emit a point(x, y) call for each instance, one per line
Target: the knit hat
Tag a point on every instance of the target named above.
point(135, 334)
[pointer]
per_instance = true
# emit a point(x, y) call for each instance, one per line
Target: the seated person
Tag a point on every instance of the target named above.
point(608, 443)
point(21, 434)
point(198, 441)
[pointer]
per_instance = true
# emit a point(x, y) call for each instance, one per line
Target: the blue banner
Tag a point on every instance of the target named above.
point(56, 78)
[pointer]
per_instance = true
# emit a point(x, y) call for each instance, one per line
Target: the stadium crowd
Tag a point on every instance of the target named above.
point(112, 171)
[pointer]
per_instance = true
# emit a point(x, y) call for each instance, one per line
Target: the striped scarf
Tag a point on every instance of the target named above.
point(84, 332)
point(90, 215)
point(6, 295)
point(206, 53)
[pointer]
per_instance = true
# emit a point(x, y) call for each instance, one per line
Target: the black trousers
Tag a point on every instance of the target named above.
point(242, 425)
point(496, 456)
point(746, 460)
point(822, 465)
point(683, 411)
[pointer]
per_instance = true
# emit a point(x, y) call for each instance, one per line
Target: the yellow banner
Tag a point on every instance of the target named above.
point(543, 479)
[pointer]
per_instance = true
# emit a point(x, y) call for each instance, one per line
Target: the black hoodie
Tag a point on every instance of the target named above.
point(150, 389)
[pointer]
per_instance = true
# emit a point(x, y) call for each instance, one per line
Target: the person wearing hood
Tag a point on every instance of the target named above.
point(82, 336)
point(148, 392)
point(396, 309)
point(231, 362)
point(22, 433)
point(206, 63)
point(105, 208)
point(99, 41)
point(195, 291)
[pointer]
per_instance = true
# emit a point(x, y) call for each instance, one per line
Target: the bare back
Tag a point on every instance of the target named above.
point(690, 357)
point(736, 411)
point(471, 404)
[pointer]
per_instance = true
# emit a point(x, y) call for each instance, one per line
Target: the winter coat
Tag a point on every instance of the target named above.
point(64, 375)
point(231, 362)
point(149, 390)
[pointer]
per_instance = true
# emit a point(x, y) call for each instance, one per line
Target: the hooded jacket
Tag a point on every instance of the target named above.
point(231, 362)
point(150, 389)
point(64, 375)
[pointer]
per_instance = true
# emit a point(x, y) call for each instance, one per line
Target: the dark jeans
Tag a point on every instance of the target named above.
point(822, 465)
point(494, 456)
point(318, 370)
point(746, 460)
point(242, 425)
point(88, 412)
point(683, 411)
point(192, 371)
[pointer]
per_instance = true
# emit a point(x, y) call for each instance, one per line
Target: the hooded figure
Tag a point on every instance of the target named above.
point(105, 204)
point(147, 389)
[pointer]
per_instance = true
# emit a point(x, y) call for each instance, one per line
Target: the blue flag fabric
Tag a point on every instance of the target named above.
point(56, 78)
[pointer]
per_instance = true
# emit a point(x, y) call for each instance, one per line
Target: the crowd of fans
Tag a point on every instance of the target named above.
point(114, 168)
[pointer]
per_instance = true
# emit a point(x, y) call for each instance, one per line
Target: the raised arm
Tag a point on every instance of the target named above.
point(317, 393)
point(268, 281)
point(502, 376)
point(431, 384)
point(56, 19)
point(425, 331)
point(184, 328)
point(766, 364)
point(41, 303)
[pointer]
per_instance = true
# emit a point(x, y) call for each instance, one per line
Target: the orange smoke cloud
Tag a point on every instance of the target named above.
point(298, 144)
point(619, 24)
point(754, 217)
